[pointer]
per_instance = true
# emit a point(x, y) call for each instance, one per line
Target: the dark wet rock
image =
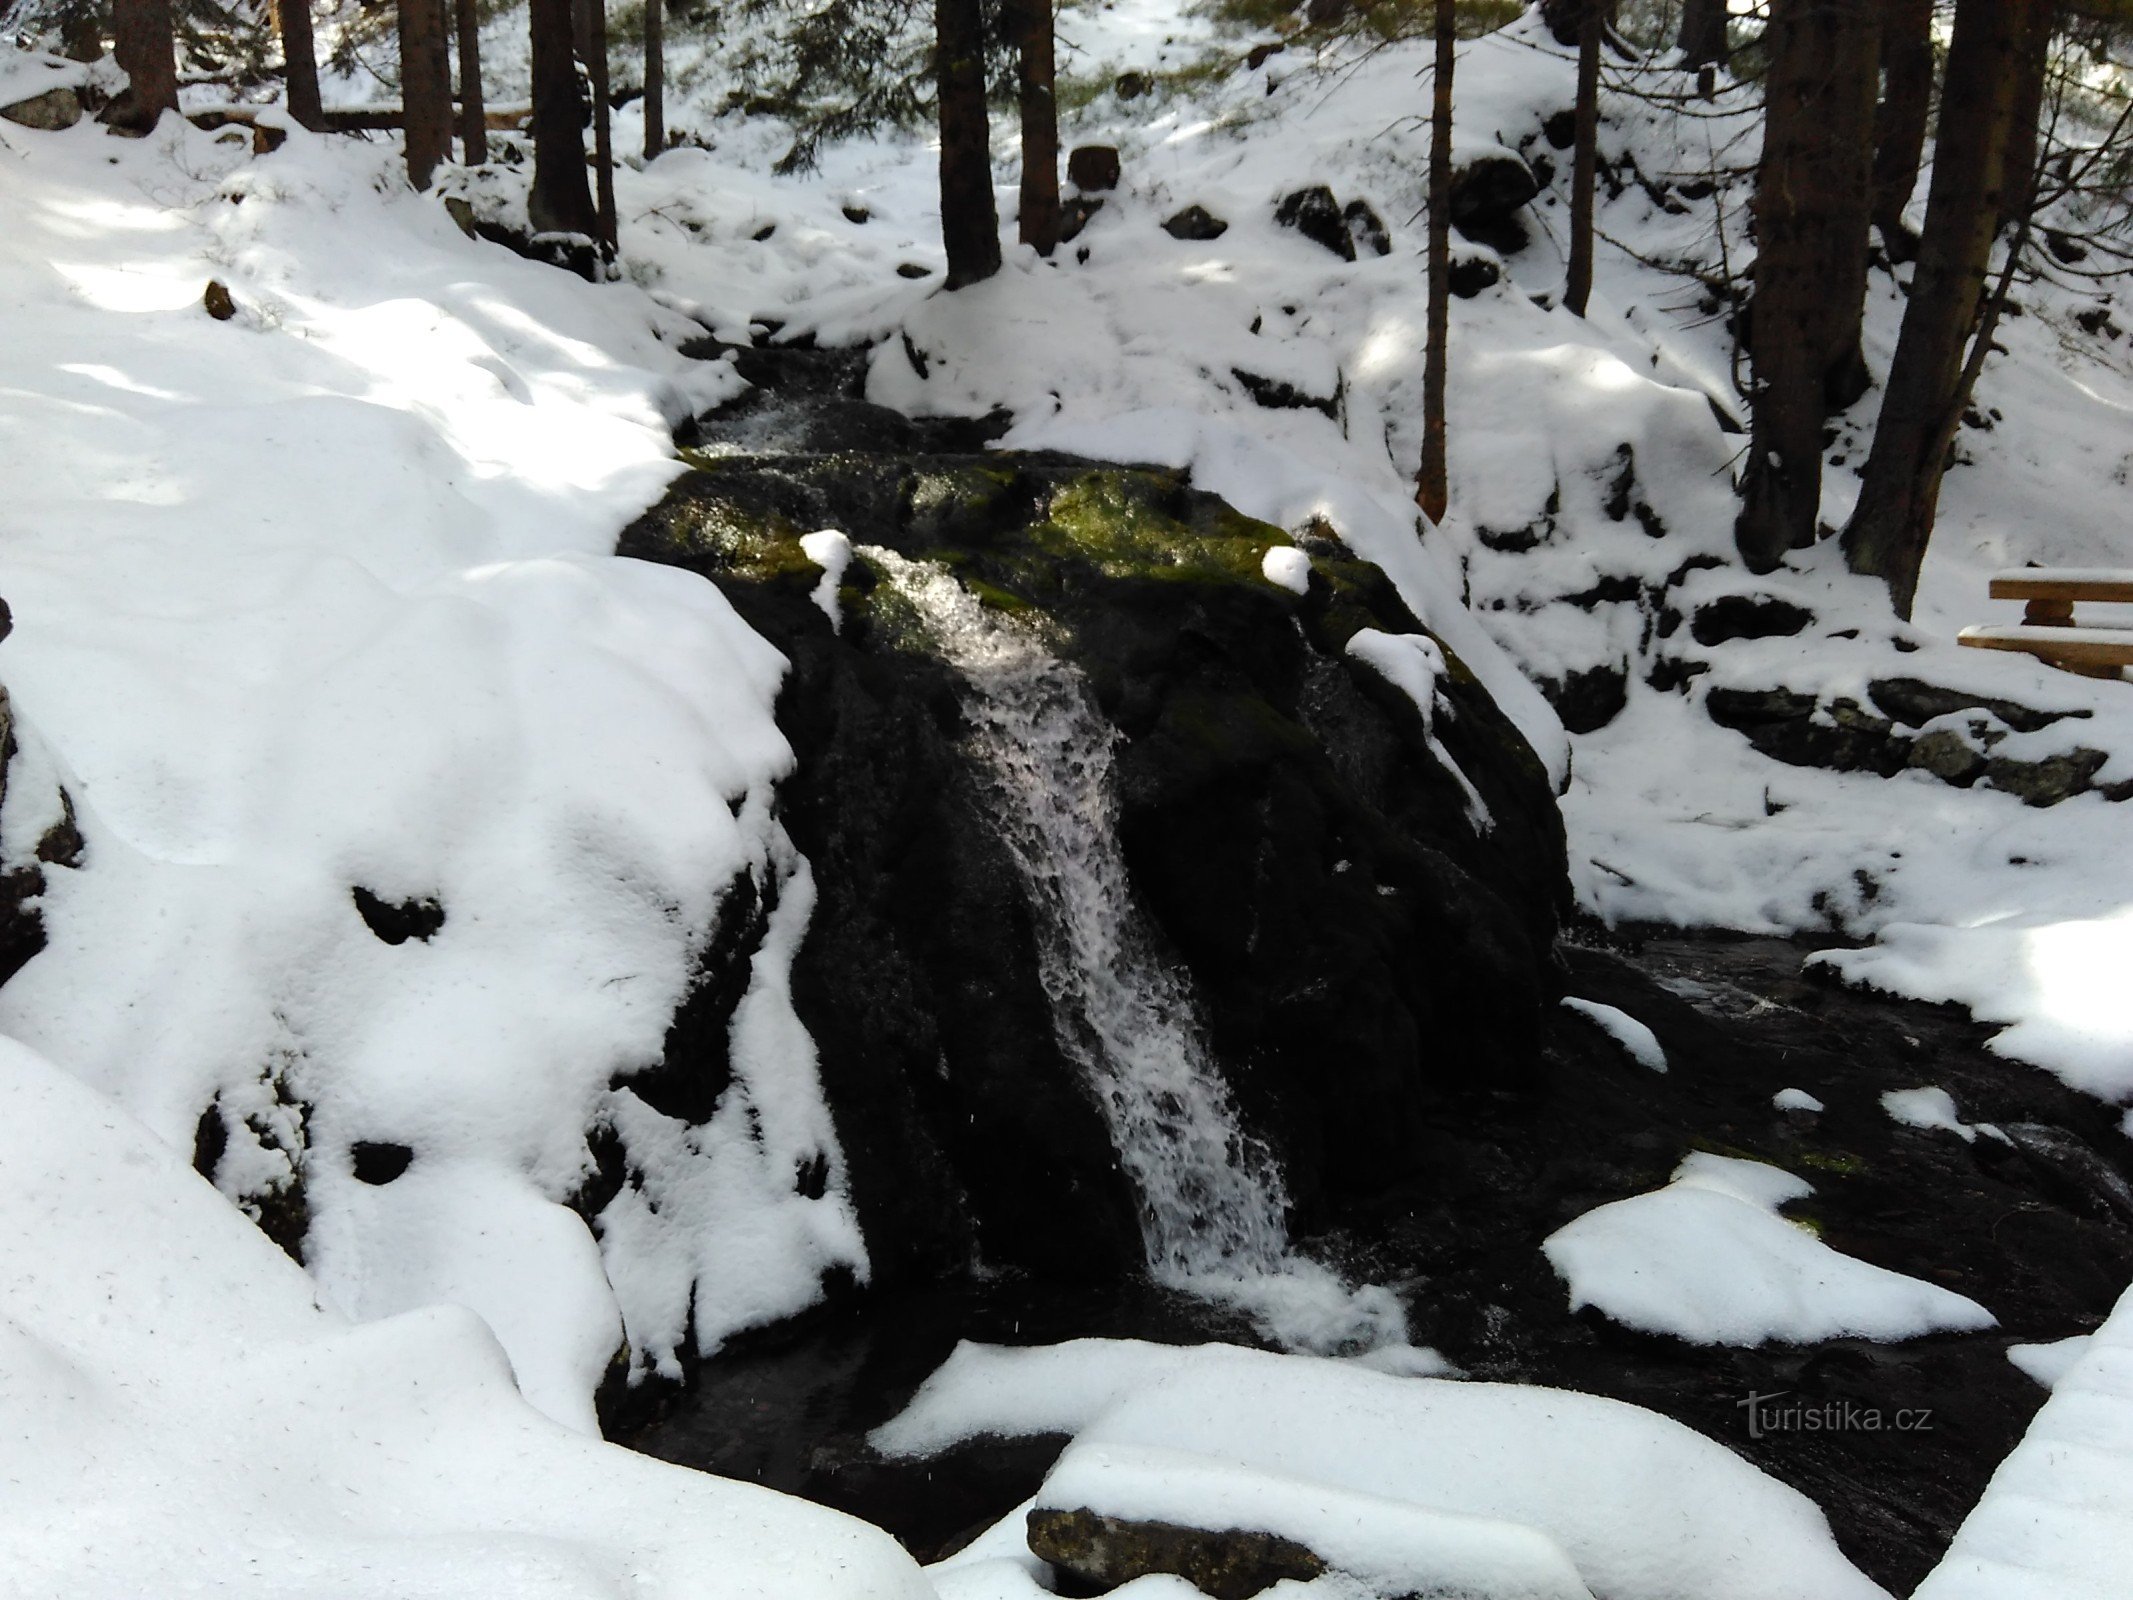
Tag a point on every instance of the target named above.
point(2047, 781)
point(2070, 1171)
point(1133, 85)
point(397, 921)
point(912, 269)
point(1075, 212)
point(1747, 616)
point(1948, 756)
point(1489, 191)
point(857, 214)
point(1103, 1552)
point(1589, 700)
point(375, 1161)
point(1366, 229)
point(1196, 223)
point(1093, 168)
point(1278, 394)
point(1471, 274)
point(1286, 827)
point(1315, 214)
point(1915, 702)
point(216, 298)
point(46, 113)
point(1260, 54)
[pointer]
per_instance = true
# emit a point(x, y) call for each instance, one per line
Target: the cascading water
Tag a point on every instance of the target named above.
point(1213, 1204)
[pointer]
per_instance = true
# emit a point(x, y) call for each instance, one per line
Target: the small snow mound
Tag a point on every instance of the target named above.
point(1639, 1042)
point(1287, 567)
point(1708, 1259)
point(1796, 1100)
point(1932, 1107)
point(832, 552)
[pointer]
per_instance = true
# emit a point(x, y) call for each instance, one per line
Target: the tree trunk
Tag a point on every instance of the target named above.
point(2024, 132)
point(1900, 124)
point(141, 41)
point(473, 118)
point(425, 88)
point(561, 201)
point(299, 55)
point(1585, 156)
point(1433, 485)
point(970, 221)
point(655, 78)
point(1812, 199)
point(1702, 39)
point(591, 33)
point(1563, 18)
point(1037, 215)
point(1887, 535)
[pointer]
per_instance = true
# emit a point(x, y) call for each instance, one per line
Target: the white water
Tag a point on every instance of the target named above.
point(1213, 1204)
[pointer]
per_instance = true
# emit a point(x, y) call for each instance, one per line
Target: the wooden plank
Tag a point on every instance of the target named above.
point(2074, 648)
point(2064, 583)
point(383, 119)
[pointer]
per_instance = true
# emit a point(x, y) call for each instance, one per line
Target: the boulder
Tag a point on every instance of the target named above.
point(47, 112)
point(1473, 272)
point(1489, 191)
point(1315, 214)
point(1196, 223)
point(1104, 1552)
point(1366, 229)
point(1093, 168)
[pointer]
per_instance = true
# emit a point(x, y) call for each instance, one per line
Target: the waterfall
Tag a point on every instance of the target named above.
point(1213, 1203)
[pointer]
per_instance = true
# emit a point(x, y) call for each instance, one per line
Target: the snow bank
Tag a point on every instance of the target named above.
point(320, 599)
point(1709, 1259)
point(2056, 1521)
point(1492, 1481)
point(183, 1417)
point(1637, 1041)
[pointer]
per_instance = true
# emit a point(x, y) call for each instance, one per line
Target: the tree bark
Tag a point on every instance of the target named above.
point(1702, 39)
point(141, 42)
point(2024, 131)
point(970, 221)
point(1037, 214)
point(425, 88)
point(591, 37)
point(1900, 489)
point(1813, 196)
point(561, 200)
point(473, 112)
point(655, 78)
point(1585, 156)
point(1900, 123)
point(1433, 484)
point(299, 55)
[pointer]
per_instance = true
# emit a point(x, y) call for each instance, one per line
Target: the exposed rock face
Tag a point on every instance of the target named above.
point(47, 112)
point(1360, 954)
point(1230, 1564)
point(1315, 214)
point(1093, 168)
point(1196, 223)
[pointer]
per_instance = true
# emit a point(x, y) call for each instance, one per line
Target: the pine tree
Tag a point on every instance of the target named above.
point(425, 88)
point(1433, 484)
point(655, 78)
point(1585, 154)
point(1813, 194)
point(970, 220)
point(1900, 123)
point(473, 112)
point(1900, 489)
point(299, 54)
point(1037, 215)
point(590, 33)
point(561, 200)
point(1702, 39)
point(141, 41)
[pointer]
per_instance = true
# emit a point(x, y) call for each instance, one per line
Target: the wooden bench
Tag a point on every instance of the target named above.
point(2048, 629)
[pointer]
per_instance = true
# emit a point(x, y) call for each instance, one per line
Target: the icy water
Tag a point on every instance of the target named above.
point(1213, 1203)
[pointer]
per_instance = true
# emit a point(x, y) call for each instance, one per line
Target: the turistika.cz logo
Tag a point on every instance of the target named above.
point(1782, 1412)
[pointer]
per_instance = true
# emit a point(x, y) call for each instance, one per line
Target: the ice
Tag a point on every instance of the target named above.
point(1709, 1259)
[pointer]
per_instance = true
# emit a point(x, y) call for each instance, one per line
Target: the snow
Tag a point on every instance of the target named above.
point(1795, 1100)
point(184, 1417)
point(832, 552)
point(1288, 567)
point(1709, 1259)
point(321, 598)
point(1932, 1107)
point(2048, 1363)
point(2054, 1523)
point(1413, 662)
point(1638, 1042)
point(1412, 1480)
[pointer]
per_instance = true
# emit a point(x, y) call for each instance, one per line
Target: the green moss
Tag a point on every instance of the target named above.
point(1840, 1162)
